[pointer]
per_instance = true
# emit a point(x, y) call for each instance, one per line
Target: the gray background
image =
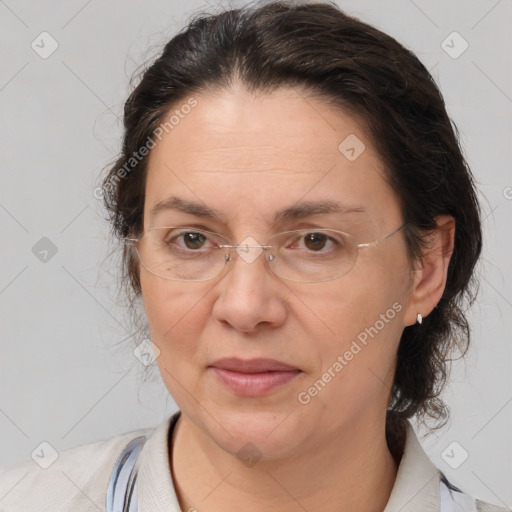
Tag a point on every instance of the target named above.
point(66, 375)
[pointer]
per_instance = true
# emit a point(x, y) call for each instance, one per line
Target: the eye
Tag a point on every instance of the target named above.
point(318, 242)
point(192, 240)
point(315, 241)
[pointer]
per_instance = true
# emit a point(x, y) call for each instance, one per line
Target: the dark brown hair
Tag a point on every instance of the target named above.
point(360, 69)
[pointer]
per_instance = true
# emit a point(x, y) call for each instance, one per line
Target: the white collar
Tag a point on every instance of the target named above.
point(417, 481)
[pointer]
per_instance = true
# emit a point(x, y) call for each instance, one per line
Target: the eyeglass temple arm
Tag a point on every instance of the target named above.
point(372, 244)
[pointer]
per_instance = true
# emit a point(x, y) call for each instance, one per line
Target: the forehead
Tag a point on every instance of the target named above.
point(236, 151)
point(234, 126)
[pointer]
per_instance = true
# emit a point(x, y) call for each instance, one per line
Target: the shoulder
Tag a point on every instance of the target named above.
point(74, 479)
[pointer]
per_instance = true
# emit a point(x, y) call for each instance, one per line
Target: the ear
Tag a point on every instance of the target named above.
point(430, 276)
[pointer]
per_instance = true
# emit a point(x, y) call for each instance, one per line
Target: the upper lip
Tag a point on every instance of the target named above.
point(252, 365)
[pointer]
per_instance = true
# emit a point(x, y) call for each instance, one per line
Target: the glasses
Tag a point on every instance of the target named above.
point(305, 255)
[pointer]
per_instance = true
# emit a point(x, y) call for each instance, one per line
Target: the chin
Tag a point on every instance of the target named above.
point(268, 434)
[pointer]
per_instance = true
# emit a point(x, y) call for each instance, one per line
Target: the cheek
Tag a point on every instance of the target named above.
point(357, 301)
point(364, 313)
point(176, 314)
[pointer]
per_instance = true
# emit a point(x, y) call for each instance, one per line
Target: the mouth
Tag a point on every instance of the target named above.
point(254, 377)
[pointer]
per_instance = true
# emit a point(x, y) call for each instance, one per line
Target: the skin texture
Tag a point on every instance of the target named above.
point(249, 156)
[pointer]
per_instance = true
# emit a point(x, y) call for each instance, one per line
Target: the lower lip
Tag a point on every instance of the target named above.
point(254, 384)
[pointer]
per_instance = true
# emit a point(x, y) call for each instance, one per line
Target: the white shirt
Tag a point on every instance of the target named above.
point(77, 481)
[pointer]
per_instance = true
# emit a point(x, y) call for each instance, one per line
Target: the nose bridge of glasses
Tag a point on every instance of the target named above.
point(249, 250)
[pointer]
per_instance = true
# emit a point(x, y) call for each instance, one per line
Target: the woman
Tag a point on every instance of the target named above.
point(302, 228)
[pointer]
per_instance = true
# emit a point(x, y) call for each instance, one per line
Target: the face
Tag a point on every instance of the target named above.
point(247, 158)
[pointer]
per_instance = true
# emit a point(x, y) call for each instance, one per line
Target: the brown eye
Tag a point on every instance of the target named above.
point(315, 241)
point(183, 241)
point(193, 240)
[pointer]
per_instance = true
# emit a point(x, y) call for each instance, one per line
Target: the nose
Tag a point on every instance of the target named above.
point(250, 295)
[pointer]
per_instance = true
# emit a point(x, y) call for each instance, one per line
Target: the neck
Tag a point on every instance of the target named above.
point(352, 471)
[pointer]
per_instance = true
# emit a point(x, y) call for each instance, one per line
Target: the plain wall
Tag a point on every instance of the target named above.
point(61, 378)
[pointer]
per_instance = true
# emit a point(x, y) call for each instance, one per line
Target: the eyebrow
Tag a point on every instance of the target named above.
point(299, 211)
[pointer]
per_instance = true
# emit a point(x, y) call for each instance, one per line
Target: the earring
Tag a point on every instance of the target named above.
point(419, 318)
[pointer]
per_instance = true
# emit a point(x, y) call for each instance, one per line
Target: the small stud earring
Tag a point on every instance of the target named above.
point(419, 318)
